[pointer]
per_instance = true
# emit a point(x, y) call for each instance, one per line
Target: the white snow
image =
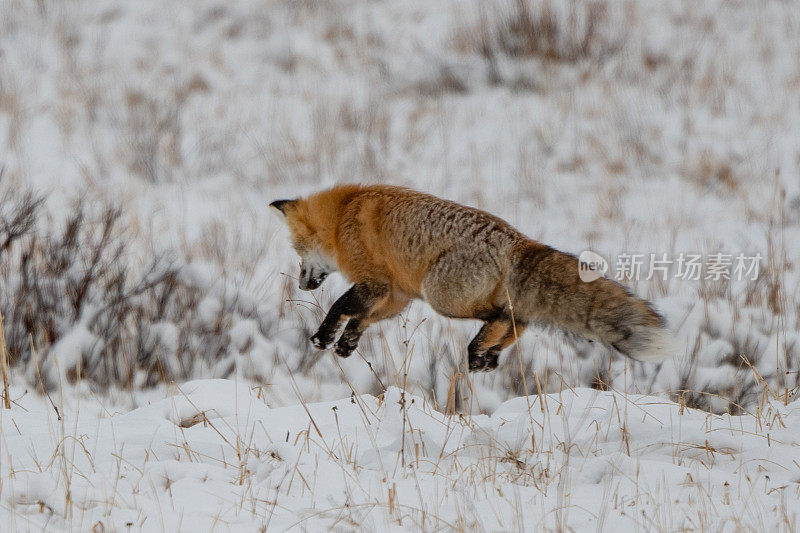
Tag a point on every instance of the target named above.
point(214, 454)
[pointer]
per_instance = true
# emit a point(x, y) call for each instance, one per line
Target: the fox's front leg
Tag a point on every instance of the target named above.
point(384, 308)
point(356, 303)
point(348, 341)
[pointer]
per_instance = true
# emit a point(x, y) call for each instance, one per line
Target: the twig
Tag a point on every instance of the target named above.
point(4, 361)
point(35, 359)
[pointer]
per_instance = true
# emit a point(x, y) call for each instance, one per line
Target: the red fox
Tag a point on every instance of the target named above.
point(396, 244)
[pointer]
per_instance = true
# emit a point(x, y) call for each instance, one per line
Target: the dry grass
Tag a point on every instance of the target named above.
point(572, 461)
point(144, 324)
point(548, 30)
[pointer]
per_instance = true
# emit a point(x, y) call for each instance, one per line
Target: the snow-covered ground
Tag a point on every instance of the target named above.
point(214, 455)
point(622, 127)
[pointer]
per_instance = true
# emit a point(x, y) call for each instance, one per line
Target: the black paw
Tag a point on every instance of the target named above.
point(344, 347)
point(321, 341)
point(484, 362)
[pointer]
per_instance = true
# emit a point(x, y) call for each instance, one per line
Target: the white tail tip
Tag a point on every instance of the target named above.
point(660, 344)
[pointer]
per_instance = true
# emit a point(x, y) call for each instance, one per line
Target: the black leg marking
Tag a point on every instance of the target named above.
point(481, 358)
point(356, 302)
point(485, 361)
point(492, 357)
point(474, 354)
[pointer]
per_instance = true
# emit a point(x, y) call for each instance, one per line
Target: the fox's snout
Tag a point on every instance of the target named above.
point(309, 280)
point(313, 270)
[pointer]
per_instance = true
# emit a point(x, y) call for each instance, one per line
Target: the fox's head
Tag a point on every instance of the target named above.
point(316, 262)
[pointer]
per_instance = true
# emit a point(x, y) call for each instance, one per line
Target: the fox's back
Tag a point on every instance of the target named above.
point(408, 231)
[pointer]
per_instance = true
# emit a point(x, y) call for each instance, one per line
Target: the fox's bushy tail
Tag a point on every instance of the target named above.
point(550, 291)
point(649, 344)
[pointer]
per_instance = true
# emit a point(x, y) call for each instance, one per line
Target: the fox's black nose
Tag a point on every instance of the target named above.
point(309, 284)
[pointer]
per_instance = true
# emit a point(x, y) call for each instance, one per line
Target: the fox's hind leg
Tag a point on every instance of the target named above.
point(484, 350)
point(355, 327)
point(513, 335)
point(357, 302)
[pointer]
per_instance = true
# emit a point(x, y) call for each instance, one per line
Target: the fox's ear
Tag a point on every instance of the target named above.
point(282, 205)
